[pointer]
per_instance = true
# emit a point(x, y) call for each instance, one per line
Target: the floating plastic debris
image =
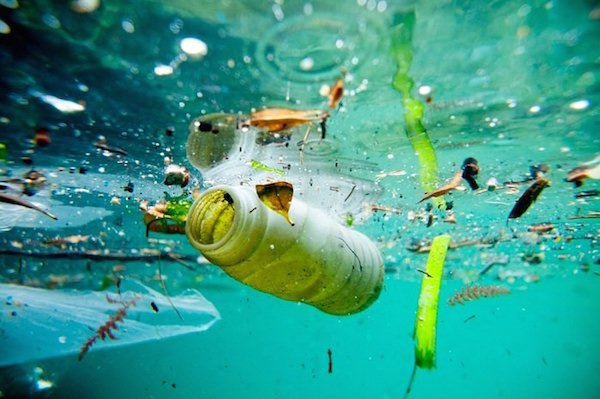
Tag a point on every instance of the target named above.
point(58, 322)
point(65, 106)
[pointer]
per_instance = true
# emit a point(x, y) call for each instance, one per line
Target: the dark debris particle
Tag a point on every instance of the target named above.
point(205, 127)
point(27, 160)
point(227, 197)
point(83, 170)
point(169, 130)
point(154, 307)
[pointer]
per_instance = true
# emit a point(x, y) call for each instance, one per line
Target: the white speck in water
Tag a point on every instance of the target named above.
point(354, 60)
point(425, 90)
point(128, 26)
point(534, 109)
point(308, 9)
point(272, 246)
point(390, 156)
point(381, 6)
point(163, 70)
point(194, 47)
point(278, 12)
point(511, 103)
point(542, 149)
point(62, 339)
point(579, 105)
point(339, 43)
point(324, 90)
point(42, 385)
point(64, 106)
point(361, 2)
point(4, 28)
point(564, 150)
point(231, 63)
point(85, 6)
point(306, 64)
point(101, 169)
point(247, 59)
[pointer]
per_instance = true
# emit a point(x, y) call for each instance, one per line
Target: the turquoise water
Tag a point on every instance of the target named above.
point(511, 84)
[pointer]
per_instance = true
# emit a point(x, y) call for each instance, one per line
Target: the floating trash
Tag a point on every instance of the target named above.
point(60, 322)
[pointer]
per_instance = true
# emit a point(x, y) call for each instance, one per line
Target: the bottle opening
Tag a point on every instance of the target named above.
point(211, 217)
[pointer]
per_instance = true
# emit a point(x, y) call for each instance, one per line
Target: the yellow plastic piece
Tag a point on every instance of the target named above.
point(425, 324)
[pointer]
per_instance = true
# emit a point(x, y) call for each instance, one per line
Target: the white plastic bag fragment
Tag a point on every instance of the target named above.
point(38, 323)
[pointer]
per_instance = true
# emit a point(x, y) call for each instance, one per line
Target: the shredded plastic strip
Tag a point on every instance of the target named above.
point(402, 53)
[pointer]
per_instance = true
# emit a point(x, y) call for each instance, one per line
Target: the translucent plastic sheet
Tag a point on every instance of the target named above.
point(37, 323)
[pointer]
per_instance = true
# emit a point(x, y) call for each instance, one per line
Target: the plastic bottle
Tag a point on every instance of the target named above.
point(316, 260)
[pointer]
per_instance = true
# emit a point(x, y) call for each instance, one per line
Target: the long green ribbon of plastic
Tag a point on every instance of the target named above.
point(401, 50)
point(426, 322)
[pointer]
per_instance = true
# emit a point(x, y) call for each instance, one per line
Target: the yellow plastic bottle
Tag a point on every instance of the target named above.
point(316, 260)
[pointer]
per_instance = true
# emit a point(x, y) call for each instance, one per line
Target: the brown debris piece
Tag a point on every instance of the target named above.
point(455, 182)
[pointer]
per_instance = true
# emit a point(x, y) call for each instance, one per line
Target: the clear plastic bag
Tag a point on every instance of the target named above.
point(38, 323)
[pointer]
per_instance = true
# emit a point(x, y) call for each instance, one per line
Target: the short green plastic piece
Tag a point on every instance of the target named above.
point(425, 325)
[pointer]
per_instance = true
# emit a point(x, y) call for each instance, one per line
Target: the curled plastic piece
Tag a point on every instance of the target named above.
point(315, 260)
point(38, 323)
point(224, 152)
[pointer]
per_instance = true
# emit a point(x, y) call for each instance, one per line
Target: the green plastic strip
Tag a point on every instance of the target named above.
point(428, 303)
point(401, 50)
point(254, 164)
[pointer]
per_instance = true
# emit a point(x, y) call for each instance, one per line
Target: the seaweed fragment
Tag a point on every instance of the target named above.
point(13, 200)
point(473, 292)
point(455, 182)
point(470, 170)
point(529, 197)
point(107, 329)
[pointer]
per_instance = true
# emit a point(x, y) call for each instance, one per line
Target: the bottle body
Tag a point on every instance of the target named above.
point(315, 260)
